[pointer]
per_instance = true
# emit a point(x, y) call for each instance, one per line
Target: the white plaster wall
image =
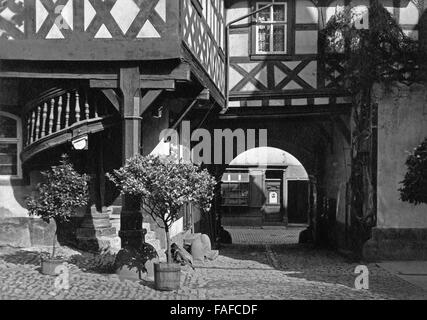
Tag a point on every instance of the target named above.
point(237, 10)
point(239, 45)
point(306, 12)
point(402, 125)
point(306, 42)
point(12, 199)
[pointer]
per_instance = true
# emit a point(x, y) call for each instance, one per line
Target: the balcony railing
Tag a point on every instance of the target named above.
point(61, 114)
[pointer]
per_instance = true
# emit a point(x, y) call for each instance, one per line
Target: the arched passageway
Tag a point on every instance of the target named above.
point(265, 186)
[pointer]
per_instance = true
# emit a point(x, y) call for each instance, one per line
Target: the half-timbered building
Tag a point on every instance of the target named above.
point(100, 80)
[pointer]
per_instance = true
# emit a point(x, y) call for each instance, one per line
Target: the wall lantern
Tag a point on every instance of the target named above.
point(158, 114)
point(80, 143)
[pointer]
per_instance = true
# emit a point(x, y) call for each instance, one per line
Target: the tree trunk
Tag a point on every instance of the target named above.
point(168, 246)
point(54, 243)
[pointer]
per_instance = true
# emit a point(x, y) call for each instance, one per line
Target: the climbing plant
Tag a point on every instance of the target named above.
point(381, 53)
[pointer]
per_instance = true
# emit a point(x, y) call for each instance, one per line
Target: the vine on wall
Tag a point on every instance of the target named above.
point(380, 54)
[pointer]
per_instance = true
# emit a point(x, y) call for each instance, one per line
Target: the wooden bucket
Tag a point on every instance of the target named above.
point(48, 266)
point(167, 276)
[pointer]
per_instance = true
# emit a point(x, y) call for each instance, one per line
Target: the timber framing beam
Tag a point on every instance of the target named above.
point(148, 99)
point(144, 83)
point(112, 96)
point(286, 112)
point(203, 96)
point(153, 75)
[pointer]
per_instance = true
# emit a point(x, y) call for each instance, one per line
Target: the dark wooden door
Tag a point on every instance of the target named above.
point(298, 201)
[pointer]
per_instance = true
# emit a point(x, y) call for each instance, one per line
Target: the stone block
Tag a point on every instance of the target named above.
point(95, 233)
point(396, 244)
point(41, 233)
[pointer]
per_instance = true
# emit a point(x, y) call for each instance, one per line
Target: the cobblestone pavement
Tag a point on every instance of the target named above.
point(265, 235)
point(240, 272)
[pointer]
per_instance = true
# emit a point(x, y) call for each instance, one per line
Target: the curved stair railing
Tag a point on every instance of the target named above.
point(60, 115)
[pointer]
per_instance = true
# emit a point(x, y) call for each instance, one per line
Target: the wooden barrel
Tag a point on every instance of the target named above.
point(167, 276)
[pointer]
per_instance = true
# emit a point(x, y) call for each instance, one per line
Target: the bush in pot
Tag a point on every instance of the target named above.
point(62, 191)
point(164, 185)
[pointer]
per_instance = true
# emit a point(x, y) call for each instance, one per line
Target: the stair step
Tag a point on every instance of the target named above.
point(116, 210)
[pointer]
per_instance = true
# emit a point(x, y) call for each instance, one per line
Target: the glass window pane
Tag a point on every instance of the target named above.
point(279, 38)
point(264, 38)
point(8, 127)
point(8, 159)
point(279, 13)
point(264, 15)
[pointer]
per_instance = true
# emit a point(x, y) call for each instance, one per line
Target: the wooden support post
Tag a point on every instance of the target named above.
point(131, 232)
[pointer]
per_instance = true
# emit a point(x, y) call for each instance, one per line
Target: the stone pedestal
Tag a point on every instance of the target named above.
point(96, 232)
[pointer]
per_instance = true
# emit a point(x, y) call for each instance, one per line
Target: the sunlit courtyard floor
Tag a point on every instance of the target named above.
point(240, 272)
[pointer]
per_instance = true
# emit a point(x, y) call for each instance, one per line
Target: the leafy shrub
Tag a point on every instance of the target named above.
point(164, 185)
point(414, 188)
point(59, 195)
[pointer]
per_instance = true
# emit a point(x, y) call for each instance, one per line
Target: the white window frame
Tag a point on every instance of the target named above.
point(259, 5)
point(17, 141)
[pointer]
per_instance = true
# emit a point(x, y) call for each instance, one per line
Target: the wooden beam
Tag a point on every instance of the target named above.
point(204, 95)
point(148, 99)
point(158, 84)
point(202, 77)
point(178, 71)
point(112, 97)
point(285, 112)
point(52, 75)
point(183, 115)
point(131, 232)
point(144, 84)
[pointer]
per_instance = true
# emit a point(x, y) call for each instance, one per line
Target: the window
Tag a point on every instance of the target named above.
point(10, 145)
point(235, 189)
point(271, 28)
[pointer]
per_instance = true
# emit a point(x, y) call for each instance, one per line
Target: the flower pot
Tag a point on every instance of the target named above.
point(167, 276)
point(48, 266)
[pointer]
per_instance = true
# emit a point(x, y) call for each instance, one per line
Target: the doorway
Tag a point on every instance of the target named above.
point(298, 201)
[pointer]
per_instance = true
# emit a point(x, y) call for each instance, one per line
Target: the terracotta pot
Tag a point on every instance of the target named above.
point(48, 266)
point(167, 276)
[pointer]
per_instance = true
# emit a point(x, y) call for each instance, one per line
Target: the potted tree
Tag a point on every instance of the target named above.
point(62, 191)
point(164, 185)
